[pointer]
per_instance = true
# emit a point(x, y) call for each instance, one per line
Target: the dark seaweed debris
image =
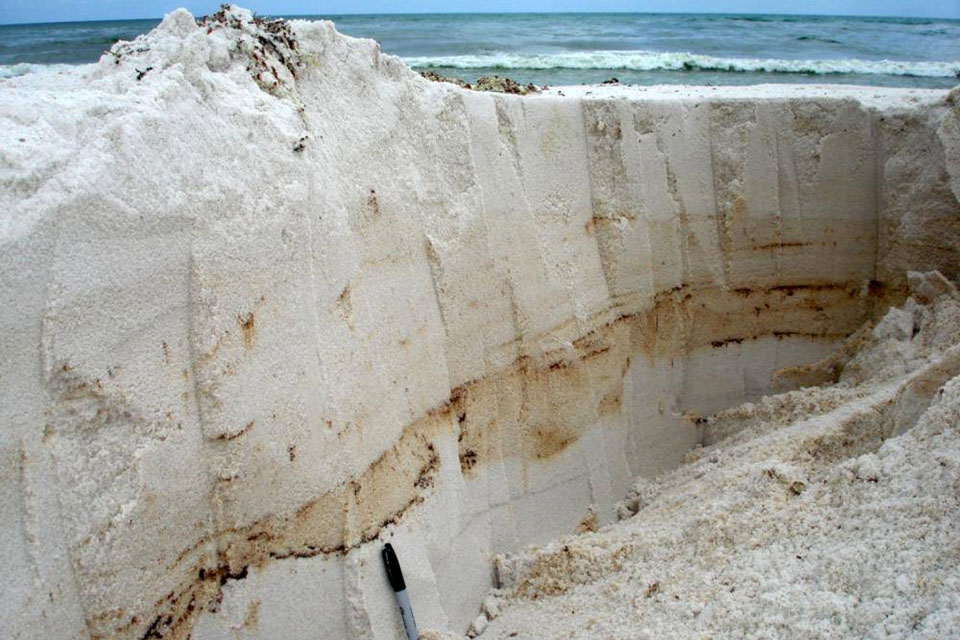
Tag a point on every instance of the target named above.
point(436, 77)
point(268, 40)
point(495, 84)
point(499, 84)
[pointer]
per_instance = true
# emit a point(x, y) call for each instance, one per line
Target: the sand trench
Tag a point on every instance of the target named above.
point(269, 324)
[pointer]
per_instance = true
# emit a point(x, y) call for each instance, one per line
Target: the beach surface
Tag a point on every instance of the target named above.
point(274, 299)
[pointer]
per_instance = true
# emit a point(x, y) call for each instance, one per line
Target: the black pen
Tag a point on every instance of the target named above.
point(395, 576)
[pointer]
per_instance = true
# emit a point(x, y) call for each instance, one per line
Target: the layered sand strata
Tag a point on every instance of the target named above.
point(271, 297)
point(817, 513)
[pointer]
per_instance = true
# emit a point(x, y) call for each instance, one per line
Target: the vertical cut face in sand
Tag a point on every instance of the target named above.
point(280, 299)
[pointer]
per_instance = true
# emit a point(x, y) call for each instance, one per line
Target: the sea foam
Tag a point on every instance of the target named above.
point(23, 68)
point(680, 61)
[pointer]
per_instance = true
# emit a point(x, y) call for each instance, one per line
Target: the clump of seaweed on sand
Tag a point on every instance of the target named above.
point(433, 76)
point(270, 45)
point(493, 84)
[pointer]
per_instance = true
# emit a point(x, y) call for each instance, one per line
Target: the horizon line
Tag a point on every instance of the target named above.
point(494, 13)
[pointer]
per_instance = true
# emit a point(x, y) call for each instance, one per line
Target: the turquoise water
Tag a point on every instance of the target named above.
point(587, 48)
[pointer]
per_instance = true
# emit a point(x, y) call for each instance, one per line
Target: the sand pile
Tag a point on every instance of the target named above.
point(829, 511)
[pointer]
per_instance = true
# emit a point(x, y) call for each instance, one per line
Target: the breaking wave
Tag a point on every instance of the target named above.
point(673, 61)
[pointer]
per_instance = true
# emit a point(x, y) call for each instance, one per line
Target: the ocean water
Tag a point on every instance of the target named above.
point(561, 49)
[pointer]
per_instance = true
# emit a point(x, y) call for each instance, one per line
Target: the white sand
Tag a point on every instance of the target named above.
point(875, 97)
point(268, 305)
point(830, 512)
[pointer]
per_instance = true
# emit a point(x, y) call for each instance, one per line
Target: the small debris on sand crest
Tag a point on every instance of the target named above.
point(268, 46)
point(492, 84)
point(433, 76)
point(498, 84)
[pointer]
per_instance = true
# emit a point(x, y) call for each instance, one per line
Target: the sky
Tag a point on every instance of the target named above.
point(13, 11)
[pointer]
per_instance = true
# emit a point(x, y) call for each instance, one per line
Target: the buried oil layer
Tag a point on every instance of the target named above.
point(530, 411)
point(784, 523)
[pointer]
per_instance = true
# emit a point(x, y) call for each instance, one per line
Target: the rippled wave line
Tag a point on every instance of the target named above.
point(673, 61)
